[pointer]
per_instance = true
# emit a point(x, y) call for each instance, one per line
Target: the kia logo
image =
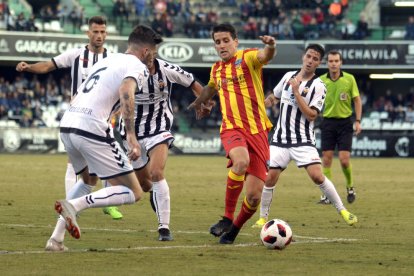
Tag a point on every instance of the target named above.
point(175, 51)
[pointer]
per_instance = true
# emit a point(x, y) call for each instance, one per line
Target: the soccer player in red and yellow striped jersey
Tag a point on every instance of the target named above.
point(237, 79)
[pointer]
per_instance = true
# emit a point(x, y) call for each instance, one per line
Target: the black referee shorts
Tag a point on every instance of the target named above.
point(337, 133)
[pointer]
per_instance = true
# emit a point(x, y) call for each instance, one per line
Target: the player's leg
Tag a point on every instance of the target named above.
point(108, 161)
point(160, 190)
point(344, 148)
point(328, 189)
point(70, 177)
point(328, 143)
point(255, 177)
point(239, 160)
point(279, 158)
point(113, 211)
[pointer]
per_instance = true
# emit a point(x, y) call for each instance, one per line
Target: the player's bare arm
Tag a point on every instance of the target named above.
point(310, 113)
point(268, 52)
point(206, 94)
point(37, 68)
point(127, 96)
point(205, 109)
point(271, 100)
point(358, 114)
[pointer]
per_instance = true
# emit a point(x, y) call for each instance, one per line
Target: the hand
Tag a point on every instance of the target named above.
point(268, 40)
point(295, 84)
point(358, 128)
point(134, 148)
point(205, 109)
point(22, 66)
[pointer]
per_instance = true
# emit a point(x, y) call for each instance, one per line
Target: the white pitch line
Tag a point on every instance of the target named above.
point(307, 239)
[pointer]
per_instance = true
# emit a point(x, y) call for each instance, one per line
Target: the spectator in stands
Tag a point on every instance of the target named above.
point(158, 24)
point(335, 10)
point(3, 112)
point(140, 7)
point(250, 28)
point(185, 10)
point(120, 13)
point(47, 14)
point(62, 13)
point(246, 10)
point(30, 24)
point(169, 26)
point(191, 27)
point(409, 115)
point(263, 26)
point(348, 29)
point(409, 29)
point(362, 30)
point(20, 24)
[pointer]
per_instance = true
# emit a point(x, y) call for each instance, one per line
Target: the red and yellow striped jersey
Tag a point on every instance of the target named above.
point(240, 87)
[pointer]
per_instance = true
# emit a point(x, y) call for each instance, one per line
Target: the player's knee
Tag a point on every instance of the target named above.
point(240, 166)
point(146, 185)
point(157, 175)
point(318, 179)
point(253, 200)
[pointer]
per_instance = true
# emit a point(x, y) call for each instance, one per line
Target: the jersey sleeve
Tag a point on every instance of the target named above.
point(354, 91)
point(66, 59)
point(250, 56)
point(211, 83)
point(176, 74)
point(277, 91)
point(319, 97)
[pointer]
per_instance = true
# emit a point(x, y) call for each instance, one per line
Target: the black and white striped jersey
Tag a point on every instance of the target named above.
point(81, 61)
point(153, 110)
point(292, 128)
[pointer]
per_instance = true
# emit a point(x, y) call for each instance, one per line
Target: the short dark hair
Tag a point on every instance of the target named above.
point(225, 27)
point(100, 20)
point(316, 47)
point(142, 34)
point(335, 52)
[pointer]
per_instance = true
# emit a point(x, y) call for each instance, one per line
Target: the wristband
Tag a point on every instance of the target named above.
point(358, 121)
point(271, 46)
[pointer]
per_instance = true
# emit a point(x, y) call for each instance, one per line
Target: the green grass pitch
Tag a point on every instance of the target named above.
point(382, 243)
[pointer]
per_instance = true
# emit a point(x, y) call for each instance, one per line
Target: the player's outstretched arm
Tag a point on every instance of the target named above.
point(42, 67)
point(268, 52)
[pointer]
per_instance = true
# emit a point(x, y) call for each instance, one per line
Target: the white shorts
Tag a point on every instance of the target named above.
point(303, 156)
point(147, 144)
point(104, 157)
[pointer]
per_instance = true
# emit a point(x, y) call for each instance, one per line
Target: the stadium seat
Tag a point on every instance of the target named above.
point(383, 115)
point(387, 126)
point(374, 115)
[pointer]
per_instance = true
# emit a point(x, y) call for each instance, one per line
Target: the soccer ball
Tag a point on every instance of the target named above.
point(276, 234)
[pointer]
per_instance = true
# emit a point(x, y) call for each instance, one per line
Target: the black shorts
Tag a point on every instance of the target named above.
point(337, 133)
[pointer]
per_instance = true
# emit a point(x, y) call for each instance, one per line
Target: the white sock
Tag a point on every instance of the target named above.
point(79, 189)
point(266, 201)
point(161, 198)
point(328, 189)
point(111, 196)
point(60, 230)
point(70, 178)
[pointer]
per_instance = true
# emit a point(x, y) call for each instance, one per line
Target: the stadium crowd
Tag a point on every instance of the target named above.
point(283, 19)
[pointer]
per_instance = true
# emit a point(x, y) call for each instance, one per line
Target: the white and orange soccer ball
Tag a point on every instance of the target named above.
point(276, 234)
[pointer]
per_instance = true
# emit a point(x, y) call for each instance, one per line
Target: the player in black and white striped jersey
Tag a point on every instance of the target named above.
point(153, 122)
point(301, 95)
